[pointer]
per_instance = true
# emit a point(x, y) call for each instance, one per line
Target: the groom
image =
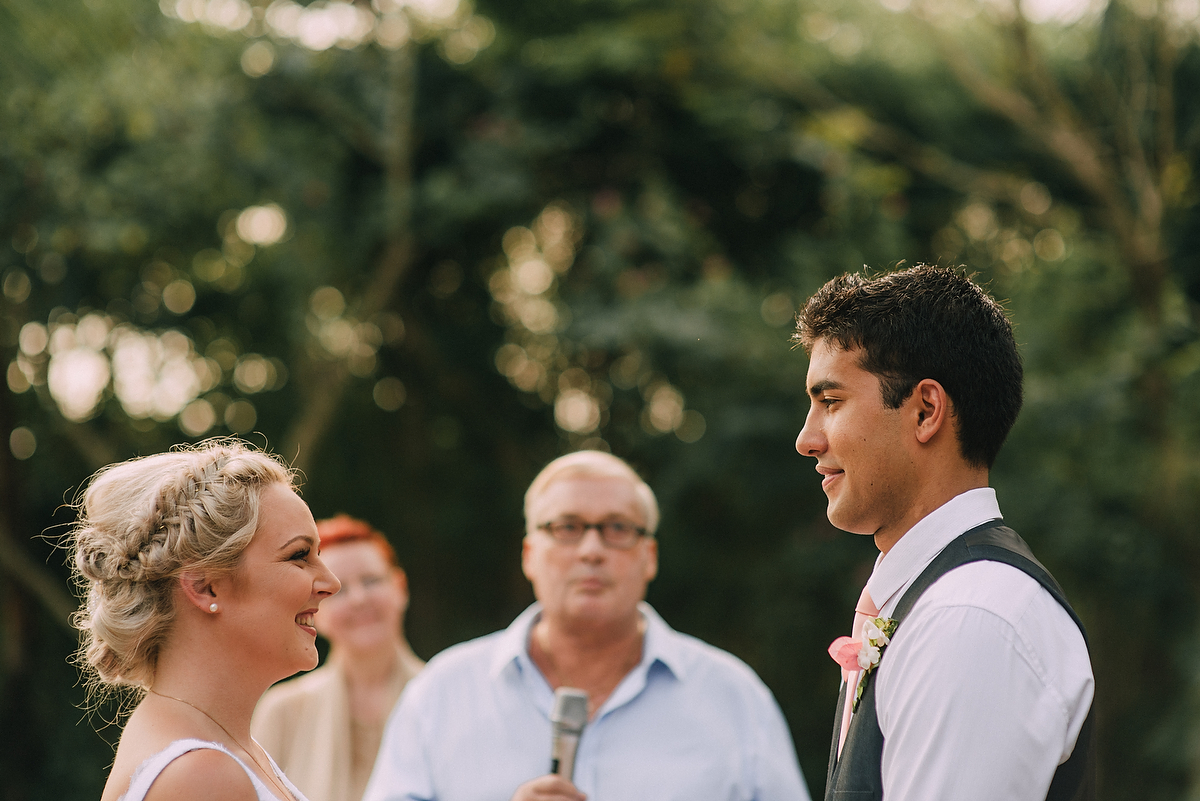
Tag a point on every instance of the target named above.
point(966, 675)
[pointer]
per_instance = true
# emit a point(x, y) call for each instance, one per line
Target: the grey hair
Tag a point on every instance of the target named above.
point(592, 464)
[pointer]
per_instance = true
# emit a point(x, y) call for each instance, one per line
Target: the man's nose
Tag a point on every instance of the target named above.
point(592, 544)
point(810, 442)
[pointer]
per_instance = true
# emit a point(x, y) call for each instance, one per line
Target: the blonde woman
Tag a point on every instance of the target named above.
point(202, 582)
point(324, 728)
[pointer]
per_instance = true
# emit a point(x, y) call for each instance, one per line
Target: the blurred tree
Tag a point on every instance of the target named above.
point(423, 247)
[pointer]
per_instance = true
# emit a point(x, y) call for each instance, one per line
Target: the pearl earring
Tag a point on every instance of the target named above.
point(212, 607)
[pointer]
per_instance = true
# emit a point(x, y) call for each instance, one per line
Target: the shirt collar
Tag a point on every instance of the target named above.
point(512, 643)
point(900, 566)
point(660, 643)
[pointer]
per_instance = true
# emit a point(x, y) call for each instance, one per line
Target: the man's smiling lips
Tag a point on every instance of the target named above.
point(830, 475)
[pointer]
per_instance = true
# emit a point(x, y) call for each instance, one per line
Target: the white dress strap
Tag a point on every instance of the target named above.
point(148, 771)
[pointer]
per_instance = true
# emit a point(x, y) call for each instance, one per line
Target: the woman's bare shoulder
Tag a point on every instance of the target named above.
point(204, 774)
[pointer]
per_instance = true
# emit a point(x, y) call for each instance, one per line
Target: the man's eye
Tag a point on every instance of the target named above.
point(569, 528)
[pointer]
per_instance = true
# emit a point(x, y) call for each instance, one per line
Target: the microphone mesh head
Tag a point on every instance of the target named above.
point(570, 709)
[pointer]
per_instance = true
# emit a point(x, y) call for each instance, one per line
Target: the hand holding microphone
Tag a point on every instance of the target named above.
point(567, 720)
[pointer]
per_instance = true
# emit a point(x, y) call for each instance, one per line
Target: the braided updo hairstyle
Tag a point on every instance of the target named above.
point(143, 523)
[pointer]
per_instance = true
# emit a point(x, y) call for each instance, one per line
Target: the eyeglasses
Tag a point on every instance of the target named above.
point(613, 533)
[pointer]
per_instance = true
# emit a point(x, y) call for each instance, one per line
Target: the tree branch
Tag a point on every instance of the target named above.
point(1164, 96)
point(327, 381)
point(15, 561)
point(343, 117)
point(1064, 137)
point(35, 579)
point(881, 138)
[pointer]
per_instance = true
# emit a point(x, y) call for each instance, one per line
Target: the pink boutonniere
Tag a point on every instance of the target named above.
point(863, 653)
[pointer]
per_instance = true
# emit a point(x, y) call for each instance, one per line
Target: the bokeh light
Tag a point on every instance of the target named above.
point(575, 410)
point(692, 427)
point(16, 378)
point(77, 378)
point(262, 225)
point(253, 374)
point(535, 359)
point(153, 375)
point(179, 296)
point(33, 339)
point(258, 58)
point(197, 418)
point(389, 393)
point(17, 286)
point(22, 443)
point(319, 26)
point(777, 309)
point(665, 410)
point(157, 375)
point(240, 417)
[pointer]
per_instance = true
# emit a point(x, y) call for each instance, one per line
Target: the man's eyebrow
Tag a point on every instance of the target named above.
point(823, 386)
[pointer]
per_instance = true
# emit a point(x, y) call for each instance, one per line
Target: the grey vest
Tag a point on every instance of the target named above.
point(856, 775)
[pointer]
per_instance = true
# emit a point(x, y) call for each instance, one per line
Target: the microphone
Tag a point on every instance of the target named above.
point(566, 722)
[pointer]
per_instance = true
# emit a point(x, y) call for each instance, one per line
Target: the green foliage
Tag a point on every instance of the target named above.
point(535, 227)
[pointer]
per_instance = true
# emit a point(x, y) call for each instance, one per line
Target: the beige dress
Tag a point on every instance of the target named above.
point(306, 726)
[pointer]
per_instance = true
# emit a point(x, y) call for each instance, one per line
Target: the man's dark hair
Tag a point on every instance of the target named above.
point(926, 322)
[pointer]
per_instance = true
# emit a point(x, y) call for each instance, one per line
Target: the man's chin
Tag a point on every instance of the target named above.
point(849, 524)
point(596, 612)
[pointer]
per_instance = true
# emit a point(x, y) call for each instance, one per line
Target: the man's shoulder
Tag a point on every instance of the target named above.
point(464, 661)
point(1001, 599)
point(700, 660)
point(997, 587)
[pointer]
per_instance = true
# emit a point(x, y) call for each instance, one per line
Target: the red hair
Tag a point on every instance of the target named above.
point(342, 529)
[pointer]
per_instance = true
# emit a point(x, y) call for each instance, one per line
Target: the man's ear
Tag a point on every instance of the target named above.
point(932, 407)
point(651, 546)
point(197, 587)
point(525, 549)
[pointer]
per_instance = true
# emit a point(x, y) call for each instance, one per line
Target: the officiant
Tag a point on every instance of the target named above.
point(668, 716)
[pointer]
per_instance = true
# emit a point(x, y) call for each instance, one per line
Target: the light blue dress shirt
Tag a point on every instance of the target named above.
point(690, 722)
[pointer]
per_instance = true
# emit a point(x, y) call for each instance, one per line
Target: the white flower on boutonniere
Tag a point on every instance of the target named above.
point(864, 652)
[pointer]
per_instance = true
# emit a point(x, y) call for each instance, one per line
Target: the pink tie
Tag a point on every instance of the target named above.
point(864, 611)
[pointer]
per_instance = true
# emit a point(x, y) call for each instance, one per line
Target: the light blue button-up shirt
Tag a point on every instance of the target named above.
point(690, 722)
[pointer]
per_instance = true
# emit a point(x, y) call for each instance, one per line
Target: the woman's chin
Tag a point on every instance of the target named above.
point(364, 641)
point(310, 661)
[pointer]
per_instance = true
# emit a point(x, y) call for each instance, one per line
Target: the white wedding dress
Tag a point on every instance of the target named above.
point(147, 772)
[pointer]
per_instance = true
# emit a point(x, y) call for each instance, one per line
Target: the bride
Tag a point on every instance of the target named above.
point(202, 577)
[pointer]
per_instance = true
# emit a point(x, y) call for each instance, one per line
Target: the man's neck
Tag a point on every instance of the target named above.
point(935, 494)
point(592, 659)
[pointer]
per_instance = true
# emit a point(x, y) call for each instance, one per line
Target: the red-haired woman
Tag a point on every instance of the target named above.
point(324, 728)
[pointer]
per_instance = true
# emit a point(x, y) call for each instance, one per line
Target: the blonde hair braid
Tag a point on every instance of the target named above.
point(143, 523)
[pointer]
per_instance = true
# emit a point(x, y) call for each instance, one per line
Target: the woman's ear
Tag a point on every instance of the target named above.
point(400, 580)
point(197, 588)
